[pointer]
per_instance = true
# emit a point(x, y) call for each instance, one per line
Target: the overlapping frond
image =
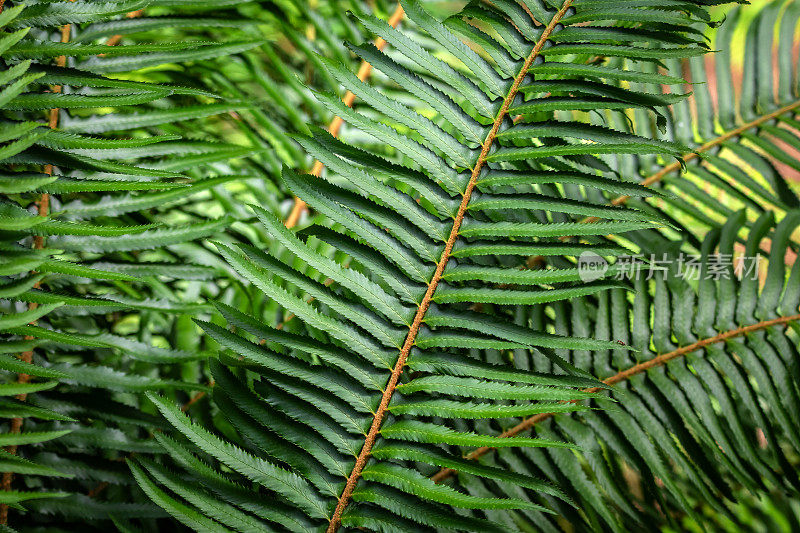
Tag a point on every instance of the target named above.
point(740, 124)
point(707, 408)
point(277, 80)
point(97, 292)
point(335, 417)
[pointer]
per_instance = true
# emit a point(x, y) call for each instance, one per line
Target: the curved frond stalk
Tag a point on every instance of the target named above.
point(706, 147)
point(708, 405)
point(691, 156)
point(742, 129)
point(413, 330)
point(626, 374)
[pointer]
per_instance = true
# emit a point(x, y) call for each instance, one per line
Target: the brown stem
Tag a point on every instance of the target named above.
point(193, 400)
point(115, 39)
point(335, 125)
point(43, 209)
point(624, 375)
point(672, 167)
point(196, 398)
point(380, 414)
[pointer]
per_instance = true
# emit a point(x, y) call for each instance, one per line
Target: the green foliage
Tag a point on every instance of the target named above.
point(324, 418)
point(703, 420)
point(98, 197)
point(423, 350)
point(740, 121)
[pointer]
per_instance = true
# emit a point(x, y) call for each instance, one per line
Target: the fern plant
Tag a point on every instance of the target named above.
point(707, 405)
point(337, 419)
point(97, 295)
point(112, 337)
point(716, 414)
point(739, 123)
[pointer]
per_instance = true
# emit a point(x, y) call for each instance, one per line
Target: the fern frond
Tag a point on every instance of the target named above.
point(709, 403)
point(404, 296)
point(741, 130)
point(87, 164)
